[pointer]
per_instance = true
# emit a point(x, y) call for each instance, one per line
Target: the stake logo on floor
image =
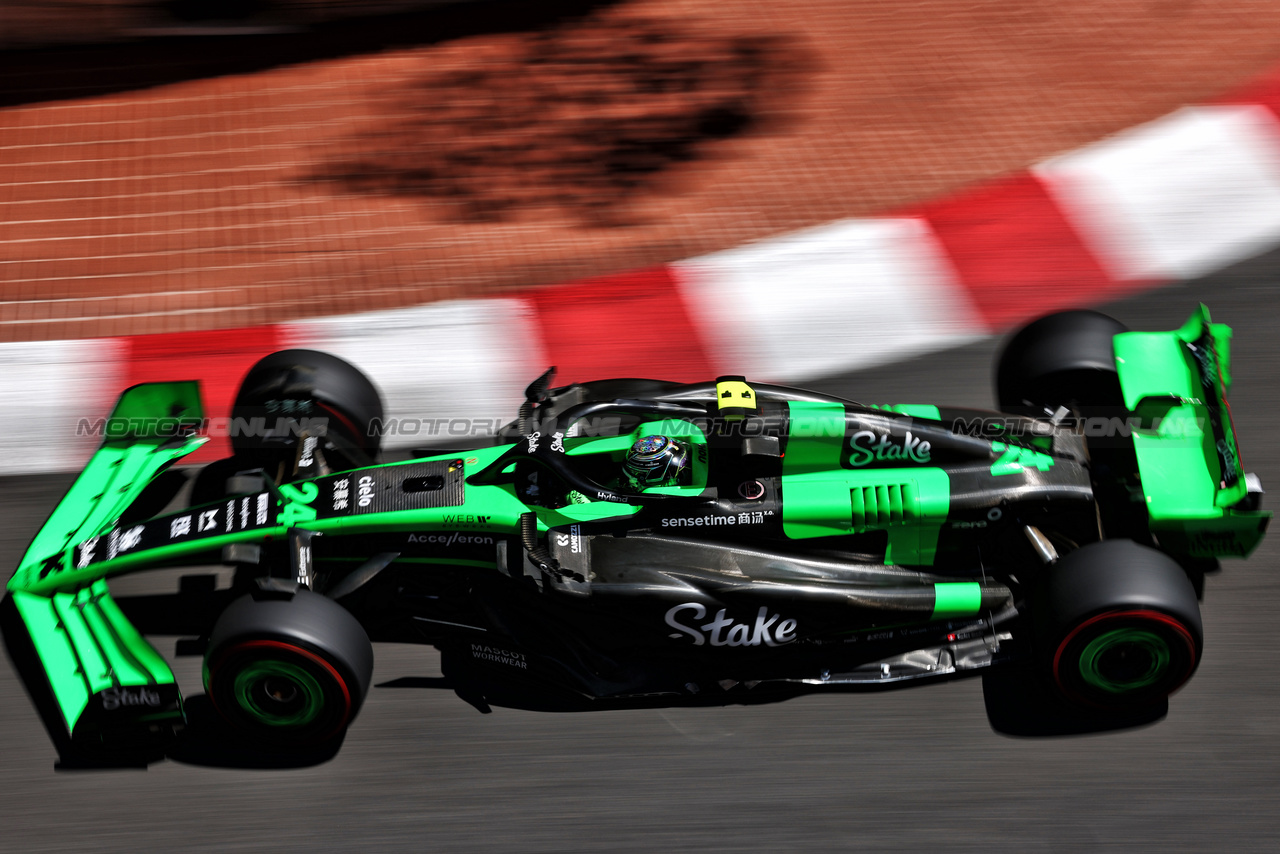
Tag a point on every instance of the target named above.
point(738, 634)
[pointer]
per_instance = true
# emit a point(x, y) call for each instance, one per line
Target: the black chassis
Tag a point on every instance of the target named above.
point(636, 611)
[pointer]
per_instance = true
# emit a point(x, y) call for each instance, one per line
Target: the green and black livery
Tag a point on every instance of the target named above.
point(814, 542)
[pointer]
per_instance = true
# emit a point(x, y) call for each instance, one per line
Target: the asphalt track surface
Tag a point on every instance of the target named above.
point(909, 770)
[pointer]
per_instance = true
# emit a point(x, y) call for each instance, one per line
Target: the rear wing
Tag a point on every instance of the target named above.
point(1193, 479)
point(103, 676)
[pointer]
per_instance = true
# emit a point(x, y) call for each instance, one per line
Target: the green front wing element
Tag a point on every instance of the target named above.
point(90, 652)
point(93, 658)
point(112, 480)
point(1192, 477)
point(101, 672)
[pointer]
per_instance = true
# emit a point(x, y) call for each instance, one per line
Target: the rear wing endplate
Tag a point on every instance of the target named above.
point(1193, 479)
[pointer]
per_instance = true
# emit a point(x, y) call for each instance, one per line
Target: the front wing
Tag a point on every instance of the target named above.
point(106, 680)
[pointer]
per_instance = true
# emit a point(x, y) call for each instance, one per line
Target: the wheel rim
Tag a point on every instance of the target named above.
point(1125, 658)
point(278, 694)
point(274, 687)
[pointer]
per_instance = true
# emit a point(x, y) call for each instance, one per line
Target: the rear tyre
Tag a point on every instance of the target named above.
point(288, 386)
point(1064, 359)
point(1121, 627)
point(288, 670)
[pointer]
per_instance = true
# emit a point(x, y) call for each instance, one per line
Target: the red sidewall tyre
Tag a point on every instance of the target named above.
point(288, 669)
point(277, 688)
point(1124, 658)
point(1118, 625)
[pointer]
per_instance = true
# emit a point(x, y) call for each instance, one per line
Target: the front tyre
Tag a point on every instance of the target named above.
point(291, 386)
point(1122, 629)
point(294, 670)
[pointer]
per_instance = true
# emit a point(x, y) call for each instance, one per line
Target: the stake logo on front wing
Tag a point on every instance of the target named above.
point(768, 629)
point(115, 698)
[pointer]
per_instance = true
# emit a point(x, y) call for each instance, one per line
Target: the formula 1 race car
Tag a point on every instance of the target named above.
point(644, 541)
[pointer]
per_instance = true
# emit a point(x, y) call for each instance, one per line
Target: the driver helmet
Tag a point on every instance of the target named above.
point(655, 461)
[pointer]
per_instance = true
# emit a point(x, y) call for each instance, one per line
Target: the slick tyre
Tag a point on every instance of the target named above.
point(1120, 627)
point(288, 670)
point(290, 386)
point(1064, 359)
